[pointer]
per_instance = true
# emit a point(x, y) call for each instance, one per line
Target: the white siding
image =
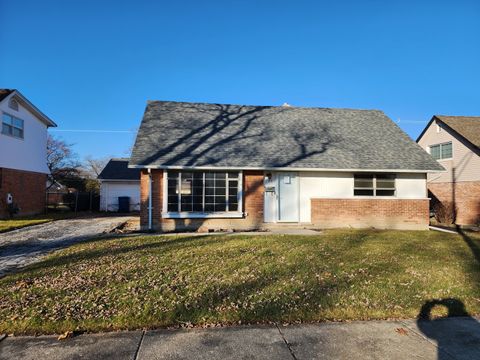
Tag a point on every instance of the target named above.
point(322, 185)
point(111, 190)
point(29, 153)
point(340, 186)
point(411, 186)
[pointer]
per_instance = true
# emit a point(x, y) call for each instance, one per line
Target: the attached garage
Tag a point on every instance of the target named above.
point(119, 187)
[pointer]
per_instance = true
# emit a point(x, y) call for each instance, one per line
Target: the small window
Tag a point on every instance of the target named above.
point(442, 151)
point(374, 185)
point(13, 104)
point(12, 126)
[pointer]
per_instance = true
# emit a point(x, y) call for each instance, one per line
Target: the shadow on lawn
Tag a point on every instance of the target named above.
point(455, 335)
point(459, 336)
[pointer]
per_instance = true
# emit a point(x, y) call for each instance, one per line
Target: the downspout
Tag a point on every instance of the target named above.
point(149, 199)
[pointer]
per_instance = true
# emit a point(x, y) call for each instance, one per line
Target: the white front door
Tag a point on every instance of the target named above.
point(288, 197)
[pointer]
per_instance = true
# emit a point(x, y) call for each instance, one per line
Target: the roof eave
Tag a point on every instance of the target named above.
point(41, 116)
point(164, 167)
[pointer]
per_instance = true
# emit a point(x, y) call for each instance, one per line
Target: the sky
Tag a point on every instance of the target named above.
point(91, 66)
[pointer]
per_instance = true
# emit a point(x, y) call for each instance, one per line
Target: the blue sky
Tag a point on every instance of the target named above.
point(92, 65)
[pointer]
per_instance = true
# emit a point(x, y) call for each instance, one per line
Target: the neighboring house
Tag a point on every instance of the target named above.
point(213, 166)
point(23, 153)
point(455, 142)
point(117, 180)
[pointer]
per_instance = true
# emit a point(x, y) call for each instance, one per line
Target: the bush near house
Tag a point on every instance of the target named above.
point(160, 281)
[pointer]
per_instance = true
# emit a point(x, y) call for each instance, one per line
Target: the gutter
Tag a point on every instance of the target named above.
point(149, 199)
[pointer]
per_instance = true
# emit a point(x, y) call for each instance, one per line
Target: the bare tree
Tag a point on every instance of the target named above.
point(61, 160)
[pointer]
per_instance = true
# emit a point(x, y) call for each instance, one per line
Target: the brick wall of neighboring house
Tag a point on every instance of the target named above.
point(252, 206)
point(408, 214)
point(27, 188)
point(466, 197)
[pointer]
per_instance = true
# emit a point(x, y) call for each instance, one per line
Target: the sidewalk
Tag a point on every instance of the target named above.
point(453, 338)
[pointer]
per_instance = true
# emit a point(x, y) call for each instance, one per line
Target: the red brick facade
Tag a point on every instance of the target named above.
point(365, 213)
point(464, 196)
point(27, 188)
point(252, 206)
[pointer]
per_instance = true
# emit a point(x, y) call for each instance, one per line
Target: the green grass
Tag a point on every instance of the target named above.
point(159, 281)
point(24, 221)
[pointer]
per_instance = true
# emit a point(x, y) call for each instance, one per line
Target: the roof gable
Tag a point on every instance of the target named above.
point(192, 135)
point(117, 169)
point(467, 127)
point(4, 93)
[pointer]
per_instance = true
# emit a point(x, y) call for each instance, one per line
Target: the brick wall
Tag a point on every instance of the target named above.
point(252, 206)
point(27, 188)
point(465, 196)
point(364, 213)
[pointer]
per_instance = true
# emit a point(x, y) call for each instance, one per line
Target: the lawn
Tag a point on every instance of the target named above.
point(20, 222)
point(161, 281)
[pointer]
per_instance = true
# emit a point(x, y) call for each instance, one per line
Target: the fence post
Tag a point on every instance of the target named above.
point(76, 202)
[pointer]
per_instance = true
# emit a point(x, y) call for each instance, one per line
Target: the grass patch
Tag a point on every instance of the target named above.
point(158, 281)
point(24, 221)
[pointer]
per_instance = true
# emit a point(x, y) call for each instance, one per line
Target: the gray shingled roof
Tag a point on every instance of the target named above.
point(117, 169)
point(179, 134)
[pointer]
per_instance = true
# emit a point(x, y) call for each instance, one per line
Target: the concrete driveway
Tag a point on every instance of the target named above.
point(451, 338)
point(27, 245)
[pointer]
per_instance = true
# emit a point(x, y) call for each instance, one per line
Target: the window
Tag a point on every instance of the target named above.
point(12, 126)
point(13, 104)
point(442, 151)
point(202, 191)
point(374, 185)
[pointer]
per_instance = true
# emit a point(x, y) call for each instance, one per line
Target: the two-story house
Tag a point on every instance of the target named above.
point(454, 141)
point(23, 154)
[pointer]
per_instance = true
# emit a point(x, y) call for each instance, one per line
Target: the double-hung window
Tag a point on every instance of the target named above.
point(441, 151)
point(374, 185)
point(203, 192)
point(12, 126)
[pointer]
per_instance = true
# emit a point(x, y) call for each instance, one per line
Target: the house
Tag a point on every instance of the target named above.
point(454, 141)
point(215, 166)
point(118, 180)
point(23, 154)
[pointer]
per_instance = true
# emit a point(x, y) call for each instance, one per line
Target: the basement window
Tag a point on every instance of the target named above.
point(12, 126)
point(374, 185)
point(203, 192)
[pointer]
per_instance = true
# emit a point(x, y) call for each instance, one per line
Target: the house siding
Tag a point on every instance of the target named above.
point(253, 191)
point(27, 188)
point(111, 190)
point(459, 186)
point(404, 214)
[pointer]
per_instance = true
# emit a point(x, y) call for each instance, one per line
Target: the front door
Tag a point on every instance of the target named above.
point(288, 197)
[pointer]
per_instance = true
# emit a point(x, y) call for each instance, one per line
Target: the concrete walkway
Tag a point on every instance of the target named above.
point(452, 338)
point(24, 246)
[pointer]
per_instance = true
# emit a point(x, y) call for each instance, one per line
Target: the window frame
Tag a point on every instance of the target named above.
point(202, 214)
point(13, 126)
point(374, 187)
point(440, 145)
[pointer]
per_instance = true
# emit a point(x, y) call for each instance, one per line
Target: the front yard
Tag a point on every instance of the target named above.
point(20, 222)
point(158, 281)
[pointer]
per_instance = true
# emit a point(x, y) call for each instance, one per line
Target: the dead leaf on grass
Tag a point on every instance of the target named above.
point(65, 335)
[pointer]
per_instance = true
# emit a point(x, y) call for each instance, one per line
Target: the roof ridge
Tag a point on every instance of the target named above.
point(259, 106)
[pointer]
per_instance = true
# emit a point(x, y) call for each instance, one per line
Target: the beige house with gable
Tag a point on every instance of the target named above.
point(454, 141)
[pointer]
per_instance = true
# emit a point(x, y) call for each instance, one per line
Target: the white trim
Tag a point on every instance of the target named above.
point(26, 103)
point(368, 198)
point(117, 180)
point(197, 215)
point(239, 168)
